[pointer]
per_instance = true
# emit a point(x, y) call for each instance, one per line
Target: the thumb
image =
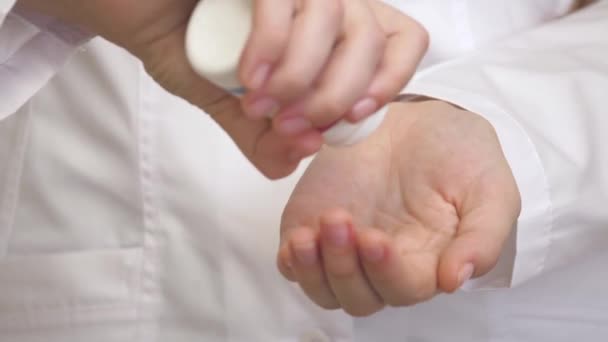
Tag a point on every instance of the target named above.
point(165, 60)
point(478, 243)
point(273, 155)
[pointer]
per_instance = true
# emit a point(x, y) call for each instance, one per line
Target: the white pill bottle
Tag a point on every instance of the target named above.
point(216, 37)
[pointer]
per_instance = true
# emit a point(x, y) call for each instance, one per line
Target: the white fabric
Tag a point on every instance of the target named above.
point(32, 49)
point(545, 101)
point(5, 7)
point(127, 215)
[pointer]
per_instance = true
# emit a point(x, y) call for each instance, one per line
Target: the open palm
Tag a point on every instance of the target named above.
point(418, 208)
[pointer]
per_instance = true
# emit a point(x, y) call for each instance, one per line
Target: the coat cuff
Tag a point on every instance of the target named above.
point(5, 7)
point(32, 49)
point(524, 254)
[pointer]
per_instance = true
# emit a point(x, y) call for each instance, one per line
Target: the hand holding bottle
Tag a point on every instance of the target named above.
point(307, 63)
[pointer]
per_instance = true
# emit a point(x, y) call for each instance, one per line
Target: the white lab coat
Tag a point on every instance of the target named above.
point(127, 215)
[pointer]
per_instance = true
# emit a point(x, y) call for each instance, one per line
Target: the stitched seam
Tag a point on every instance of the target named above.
point(148, 273)
point(13, 182)
point(139, 286)
point(48, 317)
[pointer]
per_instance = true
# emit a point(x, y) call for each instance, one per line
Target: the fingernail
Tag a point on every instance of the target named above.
point(306, 253)
point(363, 108)
point(259, 76)
point(465, 273)
point(338, 235)
point(264, 107)
point(294, 125)
point(373, 253)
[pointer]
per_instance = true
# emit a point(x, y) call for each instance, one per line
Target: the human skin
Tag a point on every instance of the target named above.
point(424, 204)
point(385, 56)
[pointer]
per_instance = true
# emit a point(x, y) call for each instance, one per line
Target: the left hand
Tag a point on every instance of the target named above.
point(420, 207)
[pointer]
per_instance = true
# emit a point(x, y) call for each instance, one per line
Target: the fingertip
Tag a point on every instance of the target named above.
point(474, 248)
point(260, 107)
point(372, 246)
point(465, 273)
point(301, 235)
point(277, 170)
point(337, 236)
point(310, 142)
point(305, 145)
point(362, 109)
point(457, 265)
point(291, 126)
point(290, 120)
point(257, 77)
point(307, 267)
point(285, 263)
point(253, 71)
point(354, 118)
point(449, 281)
point(266, 42)
point(303, 245)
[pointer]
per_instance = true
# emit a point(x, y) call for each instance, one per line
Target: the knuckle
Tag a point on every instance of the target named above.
point(330, 105)
point(378, 40)
point(421, 34)
point(276, 41)
point(371, 37)
point(335, 9)
point(391, 85)
point(342, 272)
point(273, 39)
point(285, 271)
point(389, 90)
point(290, 82)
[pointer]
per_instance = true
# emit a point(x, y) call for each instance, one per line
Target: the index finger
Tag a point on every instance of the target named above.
point(272, 21)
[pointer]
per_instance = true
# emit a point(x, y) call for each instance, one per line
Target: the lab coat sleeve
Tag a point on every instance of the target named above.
point(32, 49)
point(5, 7)
point(545, 92)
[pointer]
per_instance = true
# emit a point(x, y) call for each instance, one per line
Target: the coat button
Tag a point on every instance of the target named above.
point(315, 336)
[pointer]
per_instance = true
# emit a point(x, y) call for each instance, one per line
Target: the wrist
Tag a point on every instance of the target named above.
point(51, 24)
point(124, 23)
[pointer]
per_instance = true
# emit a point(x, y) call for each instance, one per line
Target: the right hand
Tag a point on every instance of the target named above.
point(314, 62)
point(423, 204)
